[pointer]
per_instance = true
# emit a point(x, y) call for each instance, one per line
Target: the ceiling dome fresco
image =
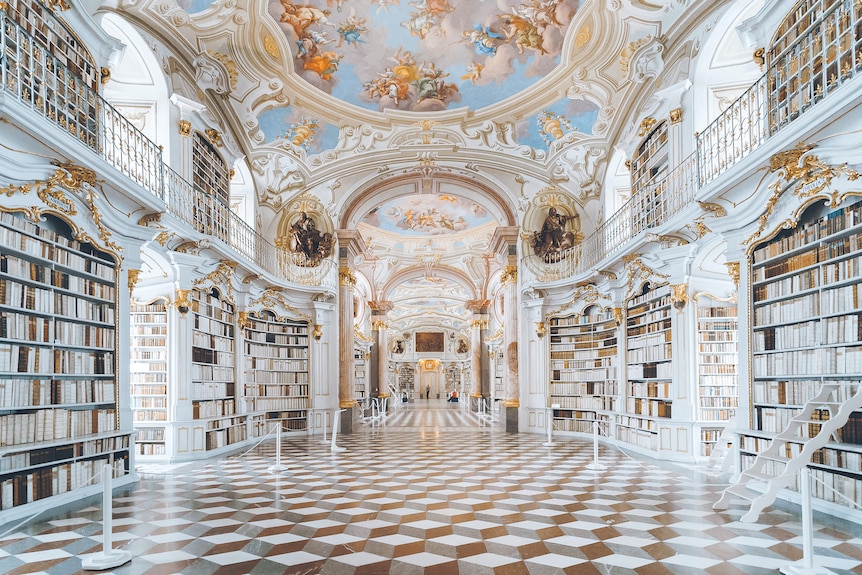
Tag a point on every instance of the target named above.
point(424, 55)
point(428, 215)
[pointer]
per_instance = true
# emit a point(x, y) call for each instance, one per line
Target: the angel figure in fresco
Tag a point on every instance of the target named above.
point(351, 30)
point(433, 6)
point(300, 17)
point(483, 39)
point(525, 33)
point(310, 42)
point(337, 4)
point(542, 13)
point(385, 4)
point(421, 23)
point(474, 72)
point(324, 64)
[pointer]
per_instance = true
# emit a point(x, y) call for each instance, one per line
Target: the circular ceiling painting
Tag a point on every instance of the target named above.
point(424, 55)
point(427, 215)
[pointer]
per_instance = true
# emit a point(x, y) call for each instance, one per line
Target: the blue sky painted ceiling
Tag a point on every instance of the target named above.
point(427, 215)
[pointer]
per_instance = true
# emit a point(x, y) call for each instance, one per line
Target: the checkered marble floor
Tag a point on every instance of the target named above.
point(428, 492)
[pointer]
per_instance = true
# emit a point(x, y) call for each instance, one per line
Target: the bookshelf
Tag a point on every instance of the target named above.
point(806, 307)
point(148, 375)
point(276, 369)
point(649, 166)
point(717, 373)
point(59, 422)
point(360, 375)
point(406, 380)
point(583, 354)
point(499, 367)
point(213, 382)
point(648, 367)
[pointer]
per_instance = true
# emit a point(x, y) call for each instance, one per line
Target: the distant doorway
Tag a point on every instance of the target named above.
point(429, 378)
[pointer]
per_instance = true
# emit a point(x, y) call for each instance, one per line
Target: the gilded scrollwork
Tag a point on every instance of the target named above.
point(273, 299)
point(638, 273)
point(734, 272)
point(509, 275)
point(346, 277)
point(221, 276)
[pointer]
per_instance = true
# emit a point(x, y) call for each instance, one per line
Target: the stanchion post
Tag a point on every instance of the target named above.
point(595, 465)
point(806, 565)
point(277, 467)
point(325, 413)
point(550, 441)
point(334, 448)
point(107, 558)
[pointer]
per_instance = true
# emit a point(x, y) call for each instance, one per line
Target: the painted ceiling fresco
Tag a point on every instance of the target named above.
point(427, 215)
point(424, 55)
point(429, 296)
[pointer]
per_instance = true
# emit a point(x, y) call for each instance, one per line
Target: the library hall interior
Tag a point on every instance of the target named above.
point(430, 287)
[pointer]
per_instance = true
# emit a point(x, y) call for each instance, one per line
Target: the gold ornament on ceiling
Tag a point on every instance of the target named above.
point(629, 51)
point(270, 46)
point(583, 36)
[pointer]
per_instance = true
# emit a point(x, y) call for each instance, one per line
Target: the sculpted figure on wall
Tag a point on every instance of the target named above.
point(553, 239)
point(307, 239)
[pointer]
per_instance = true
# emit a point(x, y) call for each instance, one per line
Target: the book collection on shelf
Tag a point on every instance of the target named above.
point(148, 367)
point(359, 376)
point(648, 367)
point(213, 367)
point(806, 334)
point(276, 378)
point(718, 392)
point(58, 389)
point(583, 356)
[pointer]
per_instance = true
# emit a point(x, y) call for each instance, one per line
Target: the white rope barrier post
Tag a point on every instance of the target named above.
point(277, 467)
point(334, 448)
point(107, 558)
point(806, 566)
point(550, 441)
point(595, 465)
point(325, 414)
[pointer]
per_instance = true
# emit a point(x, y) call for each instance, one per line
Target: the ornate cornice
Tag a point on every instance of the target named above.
point(273, 299)
point(509, 275)
point(133, 277)
point(733, 271)
point(639, 271)
point(221, 276)
point(346, 277)
point(679, 295)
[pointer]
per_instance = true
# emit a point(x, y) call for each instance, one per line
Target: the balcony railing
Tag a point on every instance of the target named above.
point(40, 81)
point(824, 56)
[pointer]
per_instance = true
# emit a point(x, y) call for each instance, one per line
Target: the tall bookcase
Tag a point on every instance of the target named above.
point(649, 166)
point(148, 375)
point(213, 384)
point(806, 332)
point(406, 380)
point(717, 377)
point(499, 366)
point(59, 421)
point(276, 369)
point(360, 374)
point(583, 353)
point(649, 361)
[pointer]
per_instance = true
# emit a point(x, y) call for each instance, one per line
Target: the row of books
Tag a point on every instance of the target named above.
point(716, 365)
point(49, 331)
point(637, 341)
point(650, 389)
point(576, 320)
point(142, 356)
point(649, 370)
point(277, 376)
point(825, 485)
point(655, 327)
point(148, 402)
point(141, 415)
point(52, 255)
point(804, 334)
point(722, 402)
point(13, 462)
point(716, 414)
point(654, 353)
point(842, 270)
point(214, 326)
point(209, 389)
point(211, 341)
point(586, 340)
point(150, 434)
point(706, 338)
point(139, 342)
point(841, 300)
point(14, 227)
point(53, 424)
point(148, 320)
point(275, 364)
point(809, 232)
point(41, 483)
point(258, 351)
point(257, 326)
point(146, 376)
point(150, 449)
point(804, 280)
point(787, 311)
point(213, 308)
point(594, 374)
point(277, 339)
point(660, 316)
point(649, 407)
point(705, 312)
point(585, 388)
point(658, 297)
point(841, 329)
point(210, 356)
point(276, 389)
point(725, 388)
point(33, 393)
point(81, 309)
point(583, 402)
point(585, 363)
point(39, 272)
point(278, 403)
point(21, 296)
point(142, 389)
point(83, 335)
point(26, 359)
point(213, 408)
point(578, 425)
point(638, 437)
point(224, 437)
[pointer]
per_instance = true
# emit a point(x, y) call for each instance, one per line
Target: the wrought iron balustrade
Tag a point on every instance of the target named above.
point(34, 77)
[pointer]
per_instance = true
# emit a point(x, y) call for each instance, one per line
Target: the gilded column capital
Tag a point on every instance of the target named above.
point(185, 127)
point(679, 295)
point(242, 321)
point(181, 301)
point(378, 325)
point(511, 403)
point(214, 136)
point(479, 324)
point(733, 270)
point(346, 277)
point(509, 275)
point(676, 116)
point(134, 276)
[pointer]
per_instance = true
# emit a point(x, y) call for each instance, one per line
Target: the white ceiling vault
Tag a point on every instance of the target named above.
point(424, 124)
